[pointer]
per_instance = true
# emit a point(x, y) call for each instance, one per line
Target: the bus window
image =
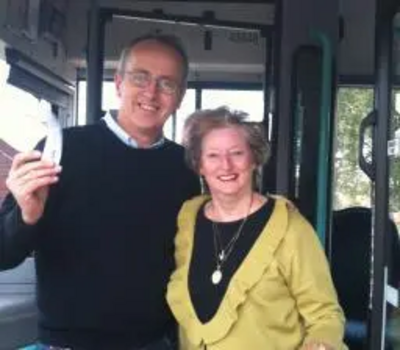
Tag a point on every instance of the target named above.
point(109, 99)
point(187, 107)
point(251, 102)
point(351, 186)
point(21, 125)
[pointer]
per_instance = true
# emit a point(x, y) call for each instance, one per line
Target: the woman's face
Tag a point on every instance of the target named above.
point(226, 161)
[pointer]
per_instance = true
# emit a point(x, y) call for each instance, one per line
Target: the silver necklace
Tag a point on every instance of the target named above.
point(223, 253)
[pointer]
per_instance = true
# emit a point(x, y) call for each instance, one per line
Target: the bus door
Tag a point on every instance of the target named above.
point(384, 320)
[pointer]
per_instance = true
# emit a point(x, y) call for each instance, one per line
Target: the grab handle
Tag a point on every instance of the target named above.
point(367, 167)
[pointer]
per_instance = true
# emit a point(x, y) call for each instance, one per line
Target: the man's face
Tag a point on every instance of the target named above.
point(150, 88)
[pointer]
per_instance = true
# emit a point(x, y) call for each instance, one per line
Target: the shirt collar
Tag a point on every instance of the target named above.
point(111, 121)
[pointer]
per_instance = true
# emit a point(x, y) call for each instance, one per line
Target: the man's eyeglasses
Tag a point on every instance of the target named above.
point(143, 80)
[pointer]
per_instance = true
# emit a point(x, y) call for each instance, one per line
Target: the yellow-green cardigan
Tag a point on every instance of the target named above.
point(281, 296)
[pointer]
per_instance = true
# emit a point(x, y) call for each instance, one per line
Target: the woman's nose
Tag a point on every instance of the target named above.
point(226, 162)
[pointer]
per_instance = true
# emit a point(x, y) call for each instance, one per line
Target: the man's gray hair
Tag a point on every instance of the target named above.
point(168, 40)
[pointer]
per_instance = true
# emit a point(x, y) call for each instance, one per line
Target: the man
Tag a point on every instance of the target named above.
point(102, 228)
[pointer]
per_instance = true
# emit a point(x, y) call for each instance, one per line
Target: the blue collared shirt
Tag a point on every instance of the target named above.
point(110, 120)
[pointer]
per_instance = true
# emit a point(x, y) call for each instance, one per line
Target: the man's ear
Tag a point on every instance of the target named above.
point(118, 82)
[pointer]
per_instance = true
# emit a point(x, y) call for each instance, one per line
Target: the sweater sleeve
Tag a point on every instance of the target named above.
point(311, 285)
point(16, 237)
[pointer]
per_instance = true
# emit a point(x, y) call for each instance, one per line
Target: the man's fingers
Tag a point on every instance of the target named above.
point(24, 163)
point(35, 180)
point(25, 157)
point(31, 171)
point(31, 176)
point(37, 173)
point(38, 184)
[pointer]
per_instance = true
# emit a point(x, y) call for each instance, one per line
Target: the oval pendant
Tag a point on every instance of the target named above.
point(216, 277)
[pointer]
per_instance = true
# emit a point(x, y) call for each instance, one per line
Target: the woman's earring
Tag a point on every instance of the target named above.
point(203, 184)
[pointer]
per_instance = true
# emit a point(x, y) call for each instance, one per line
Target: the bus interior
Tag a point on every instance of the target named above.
point(322, 76)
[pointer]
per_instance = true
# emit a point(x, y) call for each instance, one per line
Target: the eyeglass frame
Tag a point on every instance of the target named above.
point(149, 78)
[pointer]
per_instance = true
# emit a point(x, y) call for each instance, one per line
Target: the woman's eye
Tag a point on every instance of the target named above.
point(237, 153)
point(212, 155)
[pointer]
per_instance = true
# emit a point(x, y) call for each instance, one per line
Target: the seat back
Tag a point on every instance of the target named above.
point(351, 264)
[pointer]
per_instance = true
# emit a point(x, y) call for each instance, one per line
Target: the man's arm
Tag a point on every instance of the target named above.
point(28, 182)
point(16, 237)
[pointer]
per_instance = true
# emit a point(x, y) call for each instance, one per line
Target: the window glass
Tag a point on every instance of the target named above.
point(394, 163)
point(81, 102)
point(109, 99)
point(351, 186)
point(21, 125)
point(187, 107)
point(251, 102)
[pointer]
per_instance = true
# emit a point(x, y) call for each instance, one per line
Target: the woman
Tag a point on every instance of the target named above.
point(251, 273)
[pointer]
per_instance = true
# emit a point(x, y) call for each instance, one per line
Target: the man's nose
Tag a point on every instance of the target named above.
point(152, 87)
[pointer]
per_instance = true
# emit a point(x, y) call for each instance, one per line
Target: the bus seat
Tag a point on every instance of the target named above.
point(350, 263)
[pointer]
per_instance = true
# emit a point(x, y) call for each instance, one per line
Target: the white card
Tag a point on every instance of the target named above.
point(53, 145)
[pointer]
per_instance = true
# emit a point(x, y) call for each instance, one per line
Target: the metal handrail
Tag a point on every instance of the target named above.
point(324, 134)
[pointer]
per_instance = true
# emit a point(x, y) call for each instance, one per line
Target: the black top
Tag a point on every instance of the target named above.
point(104, 247)
point(206, 296)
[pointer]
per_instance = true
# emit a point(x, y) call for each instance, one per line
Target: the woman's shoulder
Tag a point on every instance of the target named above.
point(192, 205)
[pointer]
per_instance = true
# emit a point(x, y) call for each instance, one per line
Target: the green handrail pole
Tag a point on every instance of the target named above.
point(324, 135)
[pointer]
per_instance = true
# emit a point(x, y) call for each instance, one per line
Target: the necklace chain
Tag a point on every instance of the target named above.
point(223, 253)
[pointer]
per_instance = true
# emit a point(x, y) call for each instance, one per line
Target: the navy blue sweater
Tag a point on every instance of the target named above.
point(104, 246)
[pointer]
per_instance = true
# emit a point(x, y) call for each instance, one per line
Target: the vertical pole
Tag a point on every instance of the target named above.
point(383, 74)
point(269, 172)
point(95, 63)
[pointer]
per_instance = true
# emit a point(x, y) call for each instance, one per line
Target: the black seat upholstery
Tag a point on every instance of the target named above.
point(350, 263)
